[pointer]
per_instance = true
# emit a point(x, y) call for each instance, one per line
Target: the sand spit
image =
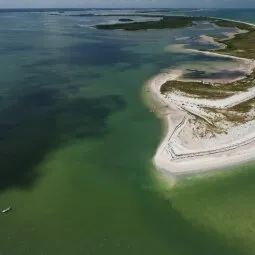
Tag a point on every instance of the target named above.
point(182, 152)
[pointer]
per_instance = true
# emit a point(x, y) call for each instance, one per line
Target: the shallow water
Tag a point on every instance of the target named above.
point(77, 142)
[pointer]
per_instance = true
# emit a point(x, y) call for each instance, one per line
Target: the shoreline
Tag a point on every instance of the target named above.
point(168, 159)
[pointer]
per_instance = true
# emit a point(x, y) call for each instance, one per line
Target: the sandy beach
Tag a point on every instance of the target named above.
point(182, 153)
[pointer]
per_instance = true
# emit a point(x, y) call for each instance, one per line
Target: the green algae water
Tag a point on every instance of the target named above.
point(77, 142)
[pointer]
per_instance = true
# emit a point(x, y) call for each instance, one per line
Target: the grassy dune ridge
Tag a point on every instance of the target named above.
point(242, 45)
point(209, 90)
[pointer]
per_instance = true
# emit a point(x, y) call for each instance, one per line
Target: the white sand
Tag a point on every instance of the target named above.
point(182, 153)
point(205, 39)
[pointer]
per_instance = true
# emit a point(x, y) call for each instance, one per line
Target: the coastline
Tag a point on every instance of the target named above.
point(188, 163)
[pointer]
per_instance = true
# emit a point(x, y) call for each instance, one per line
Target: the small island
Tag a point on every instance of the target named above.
point(164, 22)
point(125, 20)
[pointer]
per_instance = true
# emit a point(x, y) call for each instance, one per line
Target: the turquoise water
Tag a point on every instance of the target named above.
point(77, 142)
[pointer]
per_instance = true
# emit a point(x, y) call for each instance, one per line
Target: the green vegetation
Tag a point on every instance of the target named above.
point(234, 118)
point(198, 89)
point(228, 23)
point(244, 107)
point(229, 116)
point(243, 44)
point(125, 20)
point(116, 15)
point(165, 22)
point(209, 90)
point(193, 88)
point(238, 114)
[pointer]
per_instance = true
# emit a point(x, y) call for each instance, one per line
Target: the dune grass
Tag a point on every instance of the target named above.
point(209, 90)
point(242, 45)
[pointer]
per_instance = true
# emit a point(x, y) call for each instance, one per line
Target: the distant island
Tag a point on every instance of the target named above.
point(166, 22)
point(163, 23)
point(125, 20)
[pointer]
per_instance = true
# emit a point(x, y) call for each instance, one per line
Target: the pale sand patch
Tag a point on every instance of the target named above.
point(176, 48)
point(205, 39)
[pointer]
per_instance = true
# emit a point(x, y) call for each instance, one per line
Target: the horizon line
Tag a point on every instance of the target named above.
point(116, 8)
